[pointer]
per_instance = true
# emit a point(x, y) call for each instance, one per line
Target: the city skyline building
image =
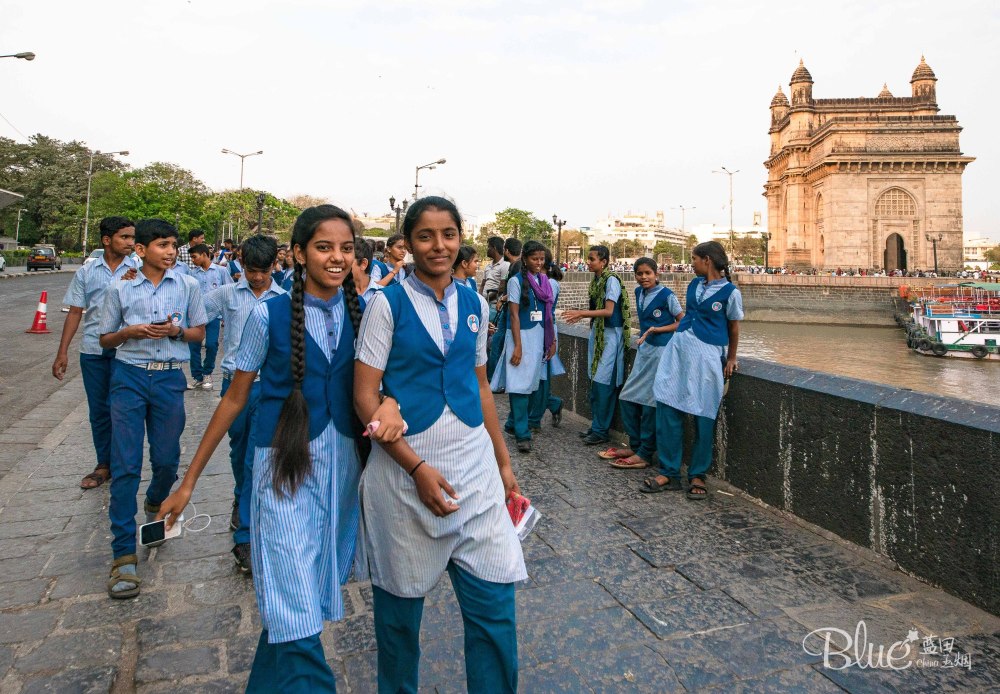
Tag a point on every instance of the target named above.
point(647, 229)
point(864, 182)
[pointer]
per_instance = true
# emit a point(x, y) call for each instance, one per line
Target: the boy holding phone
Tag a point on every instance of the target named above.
point(148, 320)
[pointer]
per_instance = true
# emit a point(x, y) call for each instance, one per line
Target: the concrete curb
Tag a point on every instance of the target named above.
point(13, 275)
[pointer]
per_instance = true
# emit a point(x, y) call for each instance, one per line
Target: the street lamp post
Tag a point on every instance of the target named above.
point(90, 176)
point(934, 241)
point(400, 208)
point(416, 178)
point(17, 231)
point(242, 160)
point(766, 237)
point(732, 241)
point(683, 230)
point(27, 55)
point(559, 225)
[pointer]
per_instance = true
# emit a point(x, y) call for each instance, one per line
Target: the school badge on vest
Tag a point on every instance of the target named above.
point(657, 313)
point(717, 306)
point(473, 323)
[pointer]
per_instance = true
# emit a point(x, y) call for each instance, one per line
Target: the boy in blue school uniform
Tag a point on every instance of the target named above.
point(233, 304)
point(86, 294)
point(210, 277)
point(147, 320)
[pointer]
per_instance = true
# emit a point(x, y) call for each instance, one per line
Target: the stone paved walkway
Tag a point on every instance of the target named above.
point(627, 592)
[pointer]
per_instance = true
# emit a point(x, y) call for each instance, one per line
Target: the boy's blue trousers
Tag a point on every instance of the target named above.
point(199, 368)
point(96, 370)
point(143, 404)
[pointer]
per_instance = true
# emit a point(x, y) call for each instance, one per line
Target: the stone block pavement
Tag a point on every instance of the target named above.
point(627, 592)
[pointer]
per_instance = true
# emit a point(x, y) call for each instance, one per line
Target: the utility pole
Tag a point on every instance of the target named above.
point(559, 225)
point(683, 230)
point(732, 239)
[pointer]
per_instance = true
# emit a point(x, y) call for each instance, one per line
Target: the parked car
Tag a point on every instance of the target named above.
point(95, 254)
point(3, 263)
point(44, 257)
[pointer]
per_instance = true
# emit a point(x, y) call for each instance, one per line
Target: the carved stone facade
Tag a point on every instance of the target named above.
point(864, 183)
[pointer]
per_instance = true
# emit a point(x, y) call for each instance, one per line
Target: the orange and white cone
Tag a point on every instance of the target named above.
point(38, 327)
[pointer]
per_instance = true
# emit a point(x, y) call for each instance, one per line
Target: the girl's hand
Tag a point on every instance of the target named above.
point(398, 265)
point(642, 338)
point(390, 427)
point(430, 483)
point(173, 506)
point(552, 351)
point(510, 485)
point(515, 357)
point(572, 316)
point(492, 329)
point(731, 367)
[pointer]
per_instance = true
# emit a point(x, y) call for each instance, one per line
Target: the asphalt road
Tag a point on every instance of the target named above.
point(24, 268)
point(26, 360)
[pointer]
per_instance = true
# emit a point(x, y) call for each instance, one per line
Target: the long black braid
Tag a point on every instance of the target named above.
point(714, 251)
point(351, 302)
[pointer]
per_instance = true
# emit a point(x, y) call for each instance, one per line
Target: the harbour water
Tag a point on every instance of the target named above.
point(870, 354)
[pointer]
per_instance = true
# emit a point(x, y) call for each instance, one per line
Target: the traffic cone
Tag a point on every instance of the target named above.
point(38, 327)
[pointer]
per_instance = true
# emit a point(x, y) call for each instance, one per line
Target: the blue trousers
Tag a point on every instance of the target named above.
point(497, 344)
point(241, 453)
point(640, 425)
point(543, 399)
point(96, 370)
point(144, 404)
point(199, 368)
point(670, 442)
point(602, 406)
point(518, 417)
point(490, 636)
point(294, 667)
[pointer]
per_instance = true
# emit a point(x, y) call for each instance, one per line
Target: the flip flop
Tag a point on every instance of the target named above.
point(624, 464)
point(651, 486)
point(99, 476)
point(695, 496)
point(614, 453)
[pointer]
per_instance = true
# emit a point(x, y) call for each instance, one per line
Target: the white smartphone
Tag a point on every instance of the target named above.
point(155, 533)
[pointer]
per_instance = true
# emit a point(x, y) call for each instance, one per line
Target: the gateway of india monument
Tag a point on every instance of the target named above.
point(866, 182)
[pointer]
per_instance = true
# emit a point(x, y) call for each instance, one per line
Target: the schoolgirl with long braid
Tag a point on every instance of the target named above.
point(434, 501)
point(305, 509)
point(690, 377)
point(609, 325)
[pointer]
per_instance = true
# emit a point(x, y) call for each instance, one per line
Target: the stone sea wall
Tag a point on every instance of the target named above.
point(911, 476)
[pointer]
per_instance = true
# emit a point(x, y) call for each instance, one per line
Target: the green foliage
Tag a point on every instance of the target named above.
point(520, 224)
point(627, 248)
point(993, 255)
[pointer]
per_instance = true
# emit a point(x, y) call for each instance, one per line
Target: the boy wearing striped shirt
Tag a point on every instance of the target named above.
point(234, 303)
point(147, 320)
point(210, 277)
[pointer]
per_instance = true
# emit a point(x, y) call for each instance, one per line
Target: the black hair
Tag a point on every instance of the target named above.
point(393, 240)
point(112, 225)
point(551, 269)
point(431, 202)
point(363, 251)
point(714, 251)
point(292, 462)
point(229, 241)
point(496, 243)
point(602, 253)
point(201, 248)
point(148, 230)
point(648, 262)
point(195, 233)
point(512, 246)
point(259, 252)
point(465, 254)
point(530, 248)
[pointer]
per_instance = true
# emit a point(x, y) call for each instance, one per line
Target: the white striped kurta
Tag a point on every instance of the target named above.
point(408, 547)
point(302, 545)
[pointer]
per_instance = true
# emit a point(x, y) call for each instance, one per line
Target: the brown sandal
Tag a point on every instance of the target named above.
point(100, 475)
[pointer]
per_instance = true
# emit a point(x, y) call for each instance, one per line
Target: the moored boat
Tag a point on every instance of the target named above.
point(955, 320)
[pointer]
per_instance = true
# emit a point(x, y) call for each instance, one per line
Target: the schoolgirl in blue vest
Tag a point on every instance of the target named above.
point(530, 340)
point(543, 399)
point(434, 501)
point(393, 270)
point(305, 510)
point(659, 314)
point(362, 271)
point(692, 371)
point(466, 267)
point(609, 321)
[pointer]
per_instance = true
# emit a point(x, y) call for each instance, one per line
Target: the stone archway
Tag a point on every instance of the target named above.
point(894, 257)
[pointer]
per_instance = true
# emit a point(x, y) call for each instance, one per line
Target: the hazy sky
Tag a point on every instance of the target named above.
point(576, 108)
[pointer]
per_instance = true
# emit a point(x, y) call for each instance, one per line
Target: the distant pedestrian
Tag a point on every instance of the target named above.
point(493, 273)
point(195, 237)
point(363, 263)
point(466, 267)
point(542, 399)
point(86, 294)
point(395, 261)
point(693, 369)
point(210, 277)
point(147, 320)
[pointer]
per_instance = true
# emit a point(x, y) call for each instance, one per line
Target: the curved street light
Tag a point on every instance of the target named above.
point(416, 180)
point(731, 174)
point(242, 159)
point(26, 55)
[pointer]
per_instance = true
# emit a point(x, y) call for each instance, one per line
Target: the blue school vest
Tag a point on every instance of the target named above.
point(615, 319)
point(523, 311)
point(707, 319)
point(328, 386)
point(385, 273)
point(655, 314)
point(421, 378)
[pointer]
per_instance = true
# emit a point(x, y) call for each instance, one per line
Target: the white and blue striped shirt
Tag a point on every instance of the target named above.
point(86, 291)
point(233, 304)
point(255, 340)
point(137, 301)
point(211, 279)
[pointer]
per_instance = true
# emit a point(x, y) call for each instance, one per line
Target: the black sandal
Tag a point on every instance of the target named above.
point(100, 475)
point(697, 496)
point(651, 486)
